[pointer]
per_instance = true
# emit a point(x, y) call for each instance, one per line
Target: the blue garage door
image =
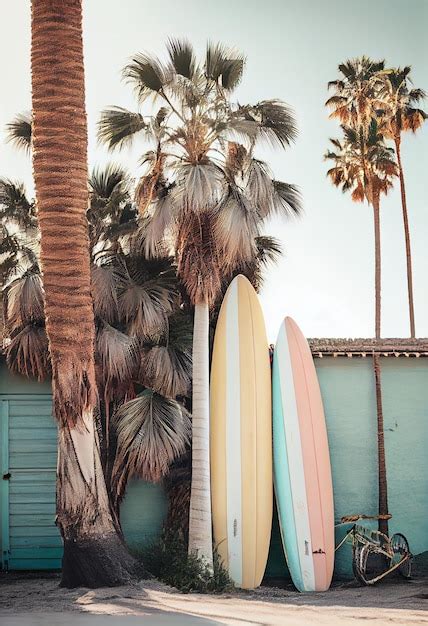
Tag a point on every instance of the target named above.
point(29, 538)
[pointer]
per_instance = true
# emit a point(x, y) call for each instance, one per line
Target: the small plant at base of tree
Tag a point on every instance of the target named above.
point(169, 561)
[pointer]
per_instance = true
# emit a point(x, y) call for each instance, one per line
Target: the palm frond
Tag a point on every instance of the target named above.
point(24, 300)
point(118, 126)
point(148, 75)
point(117, 355)
point(152, 431)
point(224, 66)
point(145, 300)
point(414, 119)
point(236, 226)
point(153, 230)
point(104, 181)
point(167, 367)
point(269, 249)
point(20, 130)
point(260, 187)
point(182, 57)
point(199, 186)
point(27, 353)
point(107, 279)
point(14, 205)
point(232, 74)
point(287, 198)
point(276, 121)
point(416, 95)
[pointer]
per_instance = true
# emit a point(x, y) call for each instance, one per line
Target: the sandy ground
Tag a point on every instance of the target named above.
point(27, 600)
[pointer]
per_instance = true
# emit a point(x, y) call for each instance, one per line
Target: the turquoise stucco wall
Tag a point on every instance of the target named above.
point(28, 451)
point(347, 387)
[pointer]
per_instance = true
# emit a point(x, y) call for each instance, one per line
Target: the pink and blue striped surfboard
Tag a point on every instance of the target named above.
point(302, 472)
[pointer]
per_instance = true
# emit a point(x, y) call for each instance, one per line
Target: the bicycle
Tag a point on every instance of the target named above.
point(372, 551)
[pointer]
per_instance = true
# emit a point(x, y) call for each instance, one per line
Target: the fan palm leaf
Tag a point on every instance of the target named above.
point(167, 367)
point(117, 354)
point(14, 204)
point(287, 199)
point(182, 57)
point(223, 66)
point(27, 353)
point(147, 74)
point(107, 278)
point(199, 186)
point(152, 431)
point(118, 126)
point(236, 226)
point(19, 131)
point(24, 300)
point(146, 297)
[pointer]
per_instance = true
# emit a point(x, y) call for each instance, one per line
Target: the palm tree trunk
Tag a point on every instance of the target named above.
point(397, 140)
point(376, 216)
point(94, 554)
point(200, 529)
point(382, 483)
point(382, 480)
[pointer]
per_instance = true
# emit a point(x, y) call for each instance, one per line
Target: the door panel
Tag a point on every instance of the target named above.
point(29, 538)
point(34, 541)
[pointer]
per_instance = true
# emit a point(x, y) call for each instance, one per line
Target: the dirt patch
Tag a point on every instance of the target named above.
point(391, 603)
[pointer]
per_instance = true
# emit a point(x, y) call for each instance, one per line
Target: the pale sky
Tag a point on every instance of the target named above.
point(293, 47)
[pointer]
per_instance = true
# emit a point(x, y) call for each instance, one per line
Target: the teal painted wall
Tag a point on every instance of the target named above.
point(28, 441)
point(347, 387)
point(12, 383)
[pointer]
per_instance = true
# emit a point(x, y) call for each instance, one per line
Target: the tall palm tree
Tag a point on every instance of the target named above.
point(397, 104)
point(353, 98)
point(205, 194)
point(94, 553)
point(365, 166)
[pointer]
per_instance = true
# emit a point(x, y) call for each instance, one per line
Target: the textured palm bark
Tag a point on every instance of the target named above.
point(406, 238)
point(382, 479)
point(94, 554)
point(378, 285)
point(200, 528)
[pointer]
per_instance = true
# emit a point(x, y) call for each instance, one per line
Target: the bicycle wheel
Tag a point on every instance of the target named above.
point(359, 562)
point(371, 564)
point(401, 550)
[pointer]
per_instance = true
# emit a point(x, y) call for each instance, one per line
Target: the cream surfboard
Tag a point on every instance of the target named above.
point(241, 436)
point(302, 472)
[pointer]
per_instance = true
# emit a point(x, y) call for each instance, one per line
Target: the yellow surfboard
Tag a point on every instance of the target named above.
point(241, 436)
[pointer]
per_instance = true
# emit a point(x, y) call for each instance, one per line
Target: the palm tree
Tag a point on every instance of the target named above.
point(397, 102)
point(205, 194)
point(143, 339)
point(365, 166)
point(18, 236)
point(94, 553)
point(353, 100)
